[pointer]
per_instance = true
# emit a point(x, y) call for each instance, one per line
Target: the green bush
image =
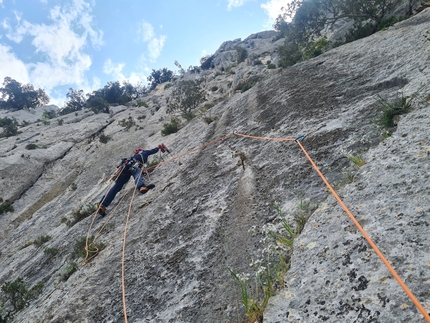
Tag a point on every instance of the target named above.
point(141, 103)
point(242, 54)
point(168, 86)
point(81, 213)
point(104, 139)
point(391, 109)
point(15, 296)
point(50, 251)
point(80, 245)
point(171, 127)
point(41, 240)
point(10, 127)
point(141, 117)
point(70, 269)
point(97, 104)
point(5, 206)
point(31, 146)
point(185, 98)
point(127, 123)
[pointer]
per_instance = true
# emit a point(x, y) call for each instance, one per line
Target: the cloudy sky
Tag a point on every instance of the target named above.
point(83, 44)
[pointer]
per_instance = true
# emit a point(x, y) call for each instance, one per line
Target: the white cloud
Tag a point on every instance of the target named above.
point(273, 10)
point(110, 68)
point(235, 3)
point(62, 43)
point(116, 71)
point(155, 43)
point(11, 66)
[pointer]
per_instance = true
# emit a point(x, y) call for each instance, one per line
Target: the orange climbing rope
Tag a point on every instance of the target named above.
point(369, 240)
point(128, 217)
point(360, 228)
point(363, 232)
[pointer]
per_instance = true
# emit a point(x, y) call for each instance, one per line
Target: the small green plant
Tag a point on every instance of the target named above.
point(41, 240)
point(81, 213)
point(60, 122)
point(168, 85)
point(256, 301)
point(104, 139)
point(209, 105)
point(171, 127)
point(15, 296)
point(242, 54)
point(127, 123)
point(80, 245)
point(358, 160)
point(5, 206)
point(31, 146)
point(247, 86)
point(209, 119)
point(141, 117)
point(69, 271)
point(347, 178)
point(50, 251)
point(141, 103)
point(271, 66)
point(73, 186)
point(389, 110)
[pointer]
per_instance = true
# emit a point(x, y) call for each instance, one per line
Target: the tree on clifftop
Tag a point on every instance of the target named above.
point(159, 76)
point(17, 96)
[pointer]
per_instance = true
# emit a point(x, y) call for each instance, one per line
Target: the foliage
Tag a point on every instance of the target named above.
point(270, 271)
point(168, 86)
point(104, 139)
point(70, 270)
point(31, 146)
point(271, 66)
point(5, 206)
point(389, 110)
point(316, 48)
point(159, 76)
point(254, 308)
point(80, 245)
point(242, 54)
point(310, 18)
point(358, 160)
point(15, 296)
point(127, 123)
point(141, 103)
point(185, 98)
point(50, 251)
point(76, 102)
point(97, 104)
point(289, 53)
point(81, 213)
point(10, 127)
point(17, 96)
point(41, 240)
point(171, 127)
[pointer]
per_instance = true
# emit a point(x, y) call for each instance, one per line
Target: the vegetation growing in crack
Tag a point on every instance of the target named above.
point(389, 110)
point(81, 213)
point(15, 296)
point(270, 270)
point(5, 206)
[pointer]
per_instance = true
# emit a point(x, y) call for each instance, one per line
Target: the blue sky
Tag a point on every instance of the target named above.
point(83, 44)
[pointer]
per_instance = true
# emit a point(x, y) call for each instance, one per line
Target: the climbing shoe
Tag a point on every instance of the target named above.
point(145, 189)
point(101, 210)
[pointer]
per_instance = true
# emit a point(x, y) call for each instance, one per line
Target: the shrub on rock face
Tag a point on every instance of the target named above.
point(97, 104)
point(242, 54)
point(15, 296)
point(171, 127)
point(31, 146)
point(185, 98)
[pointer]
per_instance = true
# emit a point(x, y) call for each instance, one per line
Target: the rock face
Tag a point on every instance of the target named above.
point(184, 234)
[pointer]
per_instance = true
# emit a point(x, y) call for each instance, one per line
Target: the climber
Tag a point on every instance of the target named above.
point(130, 167)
